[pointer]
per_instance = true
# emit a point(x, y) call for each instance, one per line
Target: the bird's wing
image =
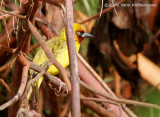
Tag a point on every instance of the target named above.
point(60, 51)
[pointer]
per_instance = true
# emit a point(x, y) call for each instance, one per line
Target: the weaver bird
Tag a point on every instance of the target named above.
point(58, 45)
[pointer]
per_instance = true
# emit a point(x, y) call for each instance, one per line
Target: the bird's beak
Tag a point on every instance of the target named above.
point(85, 35)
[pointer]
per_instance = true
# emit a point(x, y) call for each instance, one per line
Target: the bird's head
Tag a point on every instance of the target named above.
point(79, 33)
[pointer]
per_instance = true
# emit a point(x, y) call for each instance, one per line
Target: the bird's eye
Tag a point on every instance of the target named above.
point(78, 33)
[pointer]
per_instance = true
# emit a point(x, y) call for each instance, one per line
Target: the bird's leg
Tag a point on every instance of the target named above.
point(59, 88)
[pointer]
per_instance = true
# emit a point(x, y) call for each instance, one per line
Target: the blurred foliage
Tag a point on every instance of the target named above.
point(150, 97)
point(90, 7)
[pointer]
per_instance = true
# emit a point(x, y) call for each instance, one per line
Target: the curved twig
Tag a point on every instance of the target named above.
point(124, 101)
point(5, 85)
point(50, 54)
point(20, 90)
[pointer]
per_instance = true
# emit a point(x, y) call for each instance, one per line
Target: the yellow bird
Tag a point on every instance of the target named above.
point(58, 45)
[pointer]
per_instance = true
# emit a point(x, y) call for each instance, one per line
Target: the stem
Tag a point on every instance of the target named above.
point(75, 93)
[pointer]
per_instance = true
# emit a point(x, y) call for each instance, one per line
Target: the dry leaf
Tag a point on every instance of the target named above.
point(148, 70)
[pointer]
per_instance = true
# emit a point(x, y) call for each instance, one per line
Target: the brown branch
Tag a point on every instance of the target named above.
point(66, 108)
point(99, 100)
point(55, 81)
point(89, 76)
point(103, 12)
point(117, 83)
point(10, 29)
point(96, 108)
point(4, 75)
point(97, 77)
point(31, 81)
point(75, 94)
point(10, 5)
point(45, 30)
point(49, 54)
point(13, 13)
point(4, 48)
point(7, 64)
point(23, 45)
point(6, 29)
point(34, 46)
point(124, 101)
point(20, 90)
point(5, 85)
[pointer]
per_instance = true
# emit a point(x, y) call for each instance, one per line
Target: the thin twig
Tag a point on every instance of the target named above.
point(20, 90)
point(124, 101)
point(97, 108)
point(7, 64)
point(66, 108)
point(99, 100)
point(28, 88)
point(13, 13)
point(5, 85)
point(16, 12)
point(38, 68)
point(7, 49)
point(49, 54)
point(10, 29)
point(5, 25)
point(4, 75)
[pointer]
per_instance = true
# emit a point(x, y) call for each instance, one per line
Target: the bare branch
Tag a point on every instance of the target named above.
point(13, 13)
point(20, 90)
point(89, 75)
point(5, 85)
point(75, 94)
point(49, 54)
point(96, 108)
point(124, 101)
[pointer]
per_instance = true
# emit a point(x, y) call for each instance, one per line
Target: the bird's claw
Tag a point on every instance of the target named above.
point(60, 88)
